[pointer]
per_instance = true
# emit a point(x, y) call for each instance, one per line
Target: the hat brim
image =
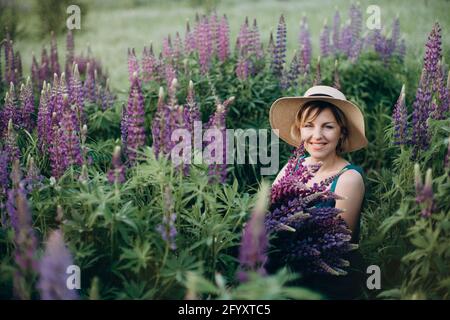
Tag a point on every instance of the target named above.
point(284, 110)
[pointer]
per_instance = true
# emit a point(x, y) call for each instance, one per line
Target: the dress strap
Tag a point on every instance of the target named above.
point(347, 167)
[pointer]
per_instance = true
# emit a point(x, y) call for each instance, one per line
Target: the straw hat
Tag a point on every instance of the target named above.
point(284, 111)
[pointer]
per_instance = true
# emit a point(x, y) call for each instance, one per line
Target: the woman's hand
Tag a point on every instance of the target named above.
point(350, 185)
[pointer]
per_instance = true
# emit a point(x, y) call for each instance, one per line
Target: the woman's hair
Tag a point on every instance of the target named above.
point(314, 108)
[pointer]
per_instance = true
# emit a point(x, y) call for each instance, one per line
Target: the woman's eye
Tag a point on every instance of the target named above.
point(329, 127)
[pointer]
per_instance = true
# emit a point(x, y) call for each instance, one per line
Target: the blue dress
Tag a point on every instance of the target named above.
point(351, 285)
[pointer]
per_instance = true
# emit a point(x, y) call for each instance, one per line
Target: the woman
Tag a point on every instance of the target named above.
point(328, 125)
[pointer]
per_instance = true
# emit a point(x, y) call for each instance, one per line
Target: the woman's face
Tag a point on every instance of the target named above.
point(321, 135)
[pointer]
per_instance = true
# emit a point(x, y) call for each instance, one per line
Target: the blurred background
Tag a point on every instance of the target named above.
point(110, 27)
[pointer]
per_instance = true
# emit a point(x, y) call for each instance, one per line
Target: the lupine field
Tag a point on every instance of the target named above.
point(88, 179)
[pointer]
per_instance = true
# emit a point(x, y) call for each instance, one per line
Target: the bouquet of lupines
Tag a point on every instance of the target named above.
point(309, 238)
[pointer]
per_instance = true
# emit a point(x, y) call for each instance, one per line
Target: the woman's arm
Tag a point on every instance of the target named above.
point(351, 185)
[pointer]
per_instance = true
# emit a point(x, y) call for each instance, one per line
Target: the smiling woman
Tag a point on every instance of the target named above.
point(328, 125)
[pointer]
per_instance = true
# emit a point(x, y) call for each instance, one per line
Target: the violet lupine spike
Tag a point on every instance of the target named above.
point(124, 125)
point(10, 67)
point(76, 95)
point(52, 269)
point(242, 67)
point(217, 121)
point(10, 143)
point(243, 39)
point(424, 192)
point(189, 40)
point(158, 125)
point(24, 236)
point(149, 65)
point(4, 174)
point(54, 63)
point(204, 45)
point(35, 79)
point(346, 39)
point(356, 17)
point(89, 83)
point(56, 149)
point(433, 51)
point(223, 49)
point(178, 50)
point(305, 42)
point(70, 141)
point(135, 137)
point(442, 92)
point(256, 40)
point(318, 76)
point(27, 102)
point(62, 90)
point(336, 32)
point(446, 159)
point(167, 228)
point(325, 49)
point(70, 54)
point(294, 70)
point(399, 118)
point(167, 50)
point(313, 239)
point(214, 28)
point(44, 117)
point(33, 179)
point(254, 242)
point(44, 70)
point(10, 110)
point(395, 35)
point(18, 70)
point(279, 51)
point(116, 175)
point(336, 77)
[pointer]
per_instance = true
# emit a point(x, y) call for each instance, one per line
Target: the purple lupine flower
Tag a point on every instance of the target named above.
point(243, 39)
point(170, 73)
point(167, 50)
point(24, 236)
point(318, 76)
point(167, 228)
point(33, 179)
point(56, 149)
point(178, 50)
point(256, 41)
point(11, 147)
point(214, 28)
point(279, 51)
point(27, 105)
point(90, 83)
point(57, 258)
point(35, 79)
point(325, 48)
point(311, 239)
point(223, 39)
point(395, 37)
point(135, 132)
point(399, 118)
point(70, 141)
point(254, 242)
point(189, 40)
point(158, 125)
point(149, 65)
point(44, 70)
point(356, 17)
point(424, 192)
point(117, 172)
point(62, 90)
point(10, 68)
point(442, 93)
point(305, 44)
point(433, 51)
point(217, 121)
point(76, 95)
point(294, 70)
point(336, 32)
point(10, 110)
point(18, 64)
point(4, 175)
point(242, 67)
point(133, 65)
point(70, 54)
point(346, 39)
point(336, 77)
point(204, 45)
point(44, 117)
point(54, 63)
